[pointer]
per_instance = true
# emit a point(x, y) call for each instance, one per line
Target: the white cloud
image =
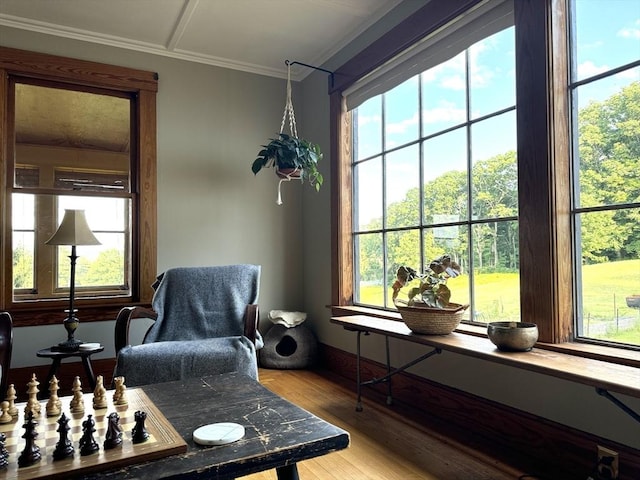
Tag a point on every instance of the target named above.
point(401, 127)
point(453, 82)
point(367, 119)
point(445, 112)
point(451, 68)
point(588, 69)
point(480, 75)
point(631, 74)
point(630, 32)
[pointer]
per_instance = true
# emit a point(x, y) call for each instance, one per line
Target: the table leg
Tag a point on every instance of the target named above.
point(288, 472)
point(53, 370)
point(86, 361)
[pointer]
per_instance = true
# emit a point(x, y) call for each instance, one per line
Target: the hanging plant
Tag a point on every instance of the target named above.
point(291, 156)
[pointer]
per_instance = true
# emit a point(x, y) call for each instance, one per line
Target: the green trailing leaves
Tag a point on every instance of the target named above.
point(432, 290)
point(288, 152)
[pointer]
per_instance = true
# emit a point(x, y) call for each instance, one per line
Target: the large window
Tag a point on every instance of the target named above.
point(434, 172)
point(76, 135)
point(605, 94)
point(555, 211)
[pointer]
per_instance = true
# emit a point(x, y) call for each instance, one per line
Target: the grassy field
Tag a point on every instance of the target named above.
point(605, 287)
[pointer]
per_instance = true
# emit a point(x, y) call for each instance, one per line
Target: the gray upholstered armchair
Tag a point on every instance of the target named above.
point(206, 321)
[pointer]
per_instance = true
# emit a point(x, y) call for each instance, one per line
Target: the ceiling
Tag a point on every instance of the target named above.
point(250, 35)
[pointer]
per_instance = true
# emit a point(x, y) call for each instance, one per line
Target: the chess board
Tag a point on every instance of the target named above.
point(163, 438)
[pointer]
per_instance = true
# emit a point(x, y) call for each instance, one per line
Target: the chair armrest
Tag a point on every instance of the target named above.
point(251, 317)
point(123, 321)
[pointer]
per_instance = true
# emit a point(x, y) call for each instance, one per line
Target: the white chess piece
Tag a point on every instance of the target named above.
point(6, 416)
point(77, 402)
point(32, 405)
point(99, 394)
point(11, 398)
point(120, 393)
point(54, 405)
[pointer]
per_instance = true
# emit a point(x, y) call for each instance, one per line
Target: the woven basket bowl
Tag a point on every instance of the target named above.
point(432, 321)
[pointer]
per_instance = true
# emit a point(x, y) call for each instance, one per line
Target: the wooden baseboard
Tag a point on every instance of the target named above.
point(515, 437)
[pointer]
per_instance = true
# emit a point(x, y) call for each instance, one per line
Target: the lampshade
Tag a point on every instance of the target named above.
point(73, 230)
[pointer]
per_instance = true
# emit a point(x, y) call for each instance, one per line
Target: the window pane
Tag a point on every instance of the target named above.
point(403, 248)
point(368, 129)
point(22, 212)
point(85, 137)
point(492, 74)
point(368, 194)
point(606, 35)
point(445, 177)
point(454, 241)
point(23, 260)
point(401, 123)
point(496, 278)
point(494, 175)
point(610, 275)
point(98, 265)
point(402, 172)
point(23, 240)
point(444, 95)
point(369, 270)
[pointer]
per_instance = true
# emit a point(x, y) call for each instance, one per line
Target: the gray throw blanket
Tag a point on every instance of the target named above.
point(200, 326)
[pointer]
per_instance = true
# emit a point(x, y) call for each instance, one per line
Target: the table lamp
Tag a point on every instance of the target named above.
point(73, 231)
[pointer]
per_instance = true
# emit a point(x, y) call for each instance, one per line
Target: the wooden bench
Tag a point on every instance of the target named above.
point(605, 377)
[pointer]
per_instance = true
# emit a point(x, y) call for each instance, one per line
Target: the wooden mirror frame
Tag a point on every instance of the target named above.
point(144, 86)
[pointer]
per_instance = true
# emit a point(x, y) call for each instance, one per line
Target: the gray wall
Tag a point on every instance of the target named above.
point(212, 210)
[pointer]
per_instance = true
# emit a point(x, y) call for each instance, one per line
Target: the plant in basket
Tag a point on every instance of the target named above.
point(428, 309)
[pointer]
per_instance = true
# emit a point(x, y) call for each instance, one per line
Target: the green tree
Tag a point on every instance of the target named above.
point(106, 269)
point(22, 268)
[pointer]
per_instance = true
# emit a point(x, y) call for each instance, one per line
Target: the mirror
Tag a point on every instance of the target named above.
point(72, 150)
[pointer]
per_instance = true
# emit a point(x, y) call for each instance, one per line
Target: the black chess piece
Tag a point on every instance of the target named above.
point(31, 453)
point(4, 453)
point(113, 437)
point(88, 445)
point(64, 447)
point(139, 433)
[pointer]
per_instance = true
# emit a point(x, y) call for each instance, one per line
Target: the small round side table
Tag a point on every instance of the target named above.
point(84, 354)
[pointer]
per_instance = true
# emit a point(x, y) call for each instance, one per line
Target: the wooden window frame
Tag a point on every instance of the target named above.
point(143, 86)
point(543, 137)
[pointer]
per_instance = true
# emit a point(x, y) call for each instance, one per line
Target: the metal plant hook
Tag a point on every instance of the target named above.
point(288, 64)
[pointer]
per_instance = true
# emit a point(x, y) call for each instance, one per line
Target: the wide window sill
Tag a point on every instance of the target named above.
point(591, 364)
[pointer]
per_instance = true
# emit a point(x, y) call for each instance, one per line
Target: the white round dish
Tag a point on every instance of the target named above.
point(218, 433)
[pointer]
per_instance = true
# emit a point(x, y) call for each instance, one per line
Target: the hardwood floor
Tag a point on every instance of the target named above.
point(384, 445)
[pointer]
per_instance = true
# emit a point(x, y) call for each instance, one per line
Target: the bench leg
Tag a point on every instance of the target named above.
point(358, 381)
point(389, 395)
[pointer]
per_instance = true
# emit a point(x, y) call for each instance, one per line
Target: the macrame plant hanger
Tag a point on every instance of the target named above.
point(287, 176)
